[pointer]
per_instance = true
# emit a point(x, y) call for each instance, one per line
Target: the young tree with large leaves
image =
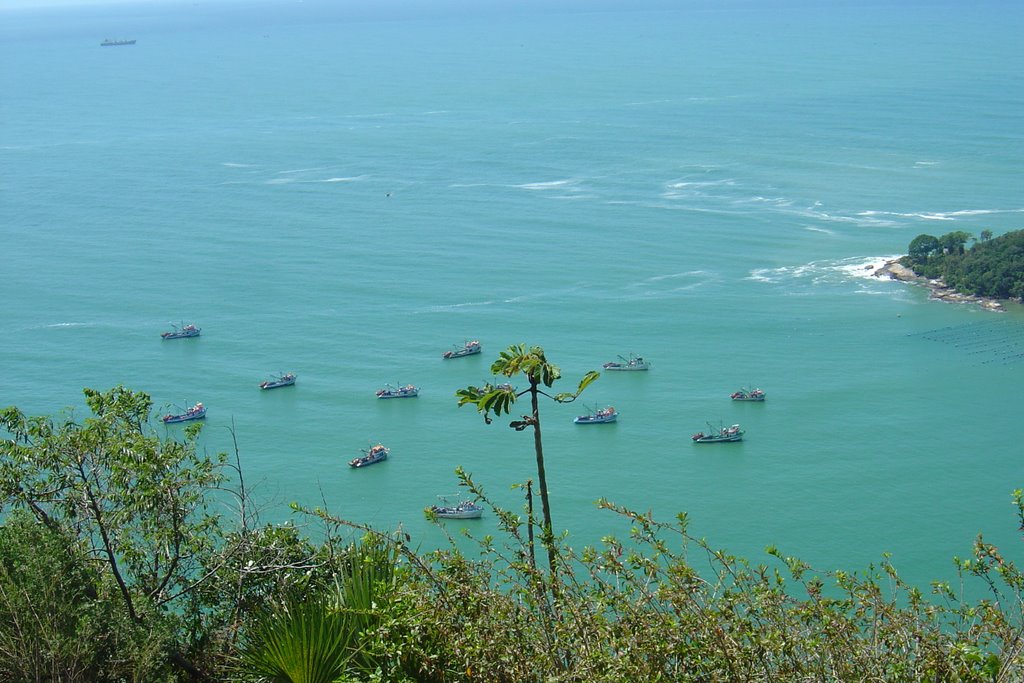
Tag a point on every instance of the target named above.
point(533, 364)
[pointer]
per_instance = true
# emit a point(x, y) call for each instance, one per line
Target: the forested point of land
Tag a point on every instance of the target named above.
point(992, 267)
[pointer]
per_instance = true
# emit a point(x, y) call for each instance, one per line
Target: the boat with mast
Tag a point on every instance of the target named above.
point(633, 363)
point(285, 380)
point(461, 509)
point(376, 454)
point(599, 416)
point(182, 332)
point(720, 435)
point(468, 349)
point(408, 391)
point(196, 412)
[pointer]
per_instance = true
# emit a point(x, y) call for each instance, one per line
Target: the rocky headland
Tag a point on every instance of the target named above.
point(937, 288)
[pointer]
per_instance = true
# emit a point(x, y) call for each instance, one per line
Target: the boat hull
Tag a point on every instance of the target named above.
point(409, 391)
point(467, 514)
point(462, 511)
point(178, 335)
point(719, 439)
point(277, 384)
point(459, 354)
point(631, 364)
point(602, 416)
point(174, 419)
point(359, 462)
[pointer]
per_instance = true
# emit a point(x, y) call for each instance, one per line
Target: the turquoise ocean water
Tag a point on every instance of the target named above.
point(346, 194)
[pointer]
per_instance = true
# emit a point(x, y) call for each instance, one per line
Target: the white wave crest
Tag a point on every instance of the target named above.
point(549, 185)
point(439, 308)
point(342, 179)
point(646, 103)
point(683, 184)
point(940, 215)
point(841, 270)
point(298, 170)
point(676, 276)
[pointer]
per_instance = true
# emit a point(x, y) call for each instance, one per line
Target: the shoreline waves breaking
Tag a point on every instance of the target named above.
point(937, 288)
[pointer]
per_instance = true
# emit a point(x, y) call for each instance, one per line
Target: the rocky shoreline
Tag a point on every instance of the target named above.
point(938, 289)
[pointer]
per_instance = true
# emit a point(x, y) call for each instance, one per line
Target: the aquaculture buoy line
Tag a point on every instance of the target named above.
point(990, 341)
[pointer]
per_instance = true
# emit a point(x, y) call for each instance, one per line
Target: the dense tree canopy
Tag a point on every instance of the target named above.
point(991, 267)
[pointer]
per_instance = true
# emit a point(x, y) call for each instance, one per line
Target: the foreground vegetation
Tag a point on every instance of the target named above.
point(992, 267)
point(127, 557)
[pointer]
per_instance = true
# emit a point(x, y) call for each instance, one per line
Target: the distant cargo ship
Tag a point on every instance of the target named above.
point(110, 42)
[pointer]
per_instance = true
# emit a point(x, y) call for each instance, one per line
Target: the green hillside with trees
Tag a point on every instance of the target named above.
point(992, 267)
point(127, 556)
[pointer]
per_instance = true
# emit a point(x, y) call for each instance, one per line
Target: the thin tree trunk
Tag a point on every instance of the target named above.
point(547, 533)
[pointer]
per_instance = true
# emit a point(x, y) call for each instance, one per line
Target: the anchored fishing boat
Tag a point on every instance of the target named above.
point(748, 395)
point(632, 363)
point(373, 456)
point(196, 412)
point(720, 435)
point(462, 509)
point(285, 380)
point(470, 348)
point(600, 416)
point(181, 332)
point(408, 391)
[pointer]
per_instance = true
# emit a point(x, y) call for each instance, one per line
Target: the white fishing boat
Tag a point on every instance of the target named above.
point(461, 509)
point(408, 391)
point(378, 453)
point(468, 349)
point(600, 416)
point(196, 412)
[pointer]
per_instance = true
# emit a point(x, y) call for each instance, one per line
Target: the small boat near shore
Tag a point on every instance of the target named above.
point(720, 435)
point(408, 391)
point(600, 416)
point(470, 348)
point(196, 412)
point(633, 363)
point(285, 380)
point(745, 394)
point(378, 453)
point(463, 509)
point(182, 332)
